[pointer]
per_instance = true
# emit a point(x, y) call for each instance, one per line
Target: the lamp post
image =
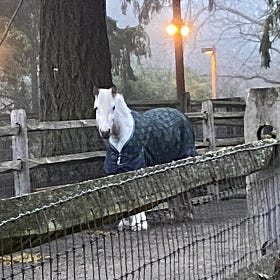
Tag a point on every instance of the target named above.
point(212, 52)
point(178, 30)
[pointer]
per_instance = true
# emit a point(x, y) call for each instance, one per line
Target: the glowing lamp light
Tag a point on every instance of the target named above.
point(171, 29)
point(185, 30)
point(212, 52)
point(208, 51)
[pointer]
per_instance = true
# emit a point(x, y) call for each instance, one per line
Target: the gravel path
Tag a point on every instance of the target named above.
point(209, 247)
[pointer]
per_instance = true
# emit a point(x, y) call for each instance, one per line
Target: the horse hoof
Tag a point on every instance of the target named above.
point(123, 224)
point(139, 226)
point(144, 225)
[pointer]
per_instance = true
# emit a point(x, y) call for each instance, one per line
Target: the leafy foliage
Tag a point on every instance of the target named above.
point(211, 5)
point(198, 86)
point(270, 29)
point(148, 8)
point(158, 83)
point(14, 67)
point(19, 53)
point(125, 43)
point(145, 11)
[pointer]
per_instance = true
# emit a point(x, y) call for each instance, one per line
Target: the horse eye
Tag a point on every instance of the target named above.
point(114, 107)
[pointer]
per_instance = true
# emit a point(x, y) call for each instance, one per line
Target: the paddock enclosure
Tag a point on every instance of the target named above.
point(214, 216)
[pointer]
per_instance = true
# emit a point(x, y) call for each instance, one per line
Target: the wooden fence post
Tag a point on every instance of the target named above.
point(20, 152)
point(208, 124)
point(186, 102)
point(262, 109)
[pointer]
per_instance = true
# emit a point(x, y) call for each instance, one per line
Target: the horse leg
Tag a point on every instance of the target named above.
point(181, 208)
point(123, 223)
point(139, 222)
point(188, 206)
point(136, 222)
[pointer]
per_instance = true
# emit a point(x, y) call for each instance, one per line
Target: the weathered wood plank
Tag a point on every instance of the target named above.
point(229, 102)
point(7, 117)
point(208, 124)
point(220, 118)
point(66, 158)
point(201, 144)
point(7, 166)
point(222, 142)
point(224, 102)
point(34, 125)
point(9, 130)
point(196, 116)
point(229, 115)
point(153, 103)
point(98, 155)
point(229, 122)
point(229, 141)
point(79, 206)
point(263, 107)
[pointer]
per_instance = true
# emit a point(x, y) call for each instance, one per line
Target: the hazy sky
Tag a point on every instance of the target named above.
point(236, 53)
point(114, 11)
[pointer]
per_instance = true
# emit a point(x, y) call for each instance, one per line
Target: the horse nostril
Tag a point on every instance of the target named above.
point(105, 134)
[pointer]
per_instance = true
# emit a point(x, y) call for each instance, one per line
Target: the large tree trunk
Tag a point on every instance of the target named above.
point(74, 56)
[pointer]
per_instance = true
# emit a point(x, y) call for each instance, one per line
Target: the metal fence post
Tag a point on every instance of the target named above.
point(20, 152)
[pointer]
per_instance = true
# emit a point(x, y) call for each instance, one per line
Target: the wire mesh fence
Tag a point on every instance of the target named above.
point(208, 218)
point(7, 180)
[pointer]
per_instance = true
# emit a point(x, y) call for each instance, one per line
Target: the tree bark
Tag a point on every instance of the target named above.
point(74, 55)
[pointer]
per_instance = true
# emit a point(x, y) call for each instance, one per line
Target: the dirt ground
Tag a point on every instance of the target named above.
point(212, 246)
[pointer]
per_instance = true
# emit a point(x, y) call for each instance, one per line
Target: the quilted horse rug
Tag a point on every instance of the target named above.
point(159, 136)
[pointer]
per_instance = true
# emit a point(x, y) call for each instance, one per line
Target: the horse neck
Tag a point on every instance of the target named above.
point(123, 124)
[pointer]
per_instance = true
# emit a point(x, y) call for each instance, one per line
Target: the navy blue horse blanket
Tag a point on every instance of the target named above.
point(160, 136)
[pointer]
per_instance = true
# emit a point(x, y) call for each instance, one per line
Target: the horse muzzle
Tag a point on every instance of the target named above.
point(104, 134)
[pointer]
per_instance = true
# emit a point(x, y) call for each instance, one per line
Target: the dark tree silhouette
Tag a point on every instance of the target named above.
point(74, 55)
point(271, 31)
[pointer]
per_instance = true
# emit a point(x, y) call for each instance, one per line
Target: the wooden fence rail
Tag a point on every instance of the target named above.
point(91, 203)
point(20, 127)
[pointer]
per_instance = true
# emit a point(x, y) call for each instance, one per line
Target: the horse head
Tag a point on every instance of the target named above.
point(105, 105)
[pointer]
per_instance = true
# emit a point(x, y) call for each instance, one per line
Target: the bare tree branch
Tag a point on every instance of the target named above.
point(5, 34)
point(275, 49)
point(236, 12)
point(251, 78)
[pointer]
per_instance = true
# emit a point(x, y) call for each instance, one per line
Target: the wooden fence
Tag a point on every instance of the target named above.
point(207, 116)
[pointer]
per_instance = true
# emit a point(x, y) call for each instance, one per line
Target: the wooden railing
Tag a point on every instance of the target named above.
point(207, 120)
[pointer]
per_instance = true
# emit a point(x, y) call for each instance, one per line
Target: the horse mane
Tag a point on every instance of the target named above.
point(123, 119)
point(121, 105)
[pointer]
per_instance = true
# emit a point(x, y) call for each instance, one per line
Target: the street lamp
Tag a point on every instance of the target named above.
point(181, 28)
point(212, 52)
point(178, 30)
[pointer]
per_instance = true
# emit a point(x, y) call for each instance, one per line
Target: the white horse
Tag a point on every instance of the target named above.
point(138, 140)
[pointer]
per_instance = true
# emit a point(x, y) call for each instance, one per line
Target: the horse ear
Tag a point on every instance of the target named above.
point(114, 90)
point(95, 90)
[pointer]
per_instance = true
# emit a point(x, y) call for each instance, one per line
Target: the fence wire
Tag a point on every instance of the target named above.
point(218, 230)
point(6, 180)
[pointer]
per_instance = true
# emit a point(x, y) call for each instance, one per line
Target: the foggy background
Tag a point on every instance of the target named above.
point(234, 28)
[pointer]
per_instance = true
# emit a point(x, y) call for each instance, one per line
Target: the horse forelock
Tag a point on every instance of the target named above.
point(95, 90)
point(112, 90)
